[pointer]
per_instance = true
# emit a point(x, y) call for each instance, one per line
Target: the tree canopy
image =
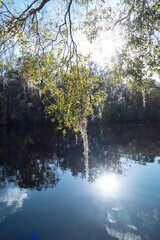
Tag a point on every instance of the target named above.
point(39, 36)
point(142, 22)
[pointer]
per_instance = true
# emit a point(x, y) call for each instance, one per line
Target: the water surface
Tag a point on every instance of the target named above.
point(47, 193)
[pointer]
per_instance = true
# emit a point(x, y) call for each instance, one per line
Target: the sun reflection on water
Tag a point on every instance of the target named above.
point(108, 184)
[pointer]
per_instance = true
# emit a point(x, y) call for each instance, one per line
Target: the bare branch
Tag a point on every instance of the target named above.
point(7, 9)
point(27, 8)
point(63, 32)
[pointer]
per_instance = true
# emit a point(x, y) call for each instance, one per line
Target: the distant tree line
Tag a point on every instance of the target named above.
point(19, 102)
point(22, 102)
point(127, 105)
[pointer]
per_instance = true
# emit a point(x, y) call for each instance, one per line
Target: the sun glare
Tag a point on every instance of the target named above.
point(107, 47)
point(104, 47)
point(108, 184)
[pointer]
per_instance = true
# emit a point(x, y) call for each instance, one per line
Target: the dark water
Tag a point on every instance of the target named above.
point(47, 192)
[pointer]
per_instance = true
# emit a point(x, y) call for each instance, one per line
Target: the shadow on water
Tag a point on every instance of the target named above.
point(31, 157)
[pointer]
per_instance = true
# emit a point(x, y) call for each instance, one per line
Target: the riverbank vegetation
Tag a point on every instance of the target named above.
point(44, 76)
point(21, 102)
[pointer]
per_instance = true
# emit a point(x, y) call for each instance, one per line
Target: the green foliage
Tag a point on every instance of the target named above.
point(71, 93)
point(75, 94)
point(140, 58)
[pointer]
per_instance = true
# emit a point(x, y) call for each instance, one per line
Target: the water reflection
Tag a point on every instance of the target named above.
point(13, 198)
point(120, 225)
point(122, 235)
point(126, 195)
point(31, 157)
point(108, 184)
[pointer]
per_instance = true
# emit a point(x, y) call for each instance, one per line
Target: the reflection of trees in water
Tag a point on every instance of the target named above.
point(102, 161)
point(32, 157)
point(139, 142)
point(34, 174)
point(84, 135)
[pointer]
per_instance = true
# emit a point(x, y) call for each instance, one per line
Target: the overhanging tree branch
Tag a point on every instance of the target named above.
point(15, 24)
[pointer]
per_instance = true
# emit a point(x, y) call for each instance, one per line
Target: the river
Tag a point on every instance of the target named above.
point(49, 191)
